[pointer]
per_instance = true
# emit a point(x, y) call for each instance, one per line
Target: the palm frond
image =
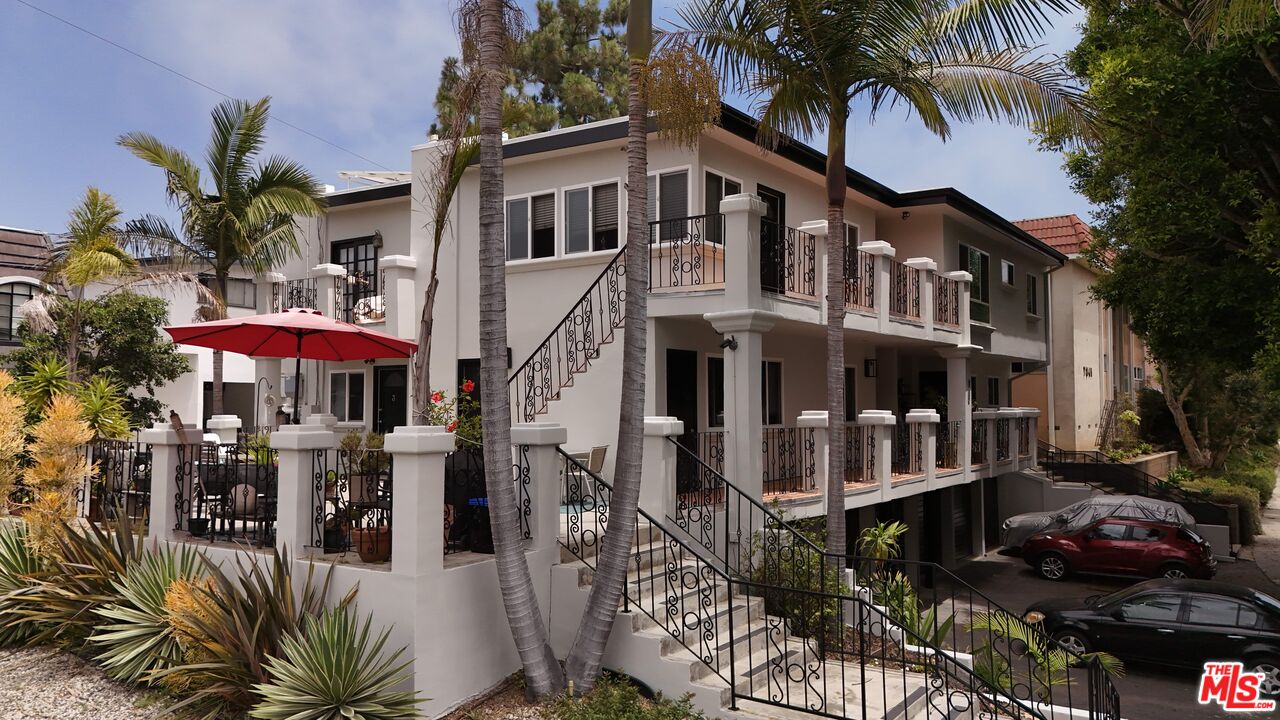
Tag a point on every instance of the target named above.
point(975, 24)
point(1212, 20)
point(183, 176)
point(239, 129)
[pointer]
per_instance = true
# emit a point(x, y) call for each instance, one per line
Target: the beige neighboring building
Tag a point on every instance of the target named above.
point(1095, 358)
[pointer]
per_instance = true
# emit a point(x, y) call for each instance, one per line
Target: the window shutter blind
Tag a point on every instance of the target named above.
point(577, 209)
point(517, 229)
point(674, 196)
point(544, 212)
point(651, 211)
point(604, 211)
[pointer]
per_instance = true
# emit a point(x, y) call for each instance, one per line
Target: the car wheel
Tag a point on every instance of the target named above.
point(1073, 641)
point(1270, 669)
point(1174, 571)
point(1052, 566)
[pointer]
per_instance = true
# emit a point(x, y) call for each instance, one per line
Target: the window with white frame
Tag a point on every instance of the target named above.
point(1033, 294)
point(531, 227)
point(669, 202)
point(12, 296)
point(346, 396)
point(771, 392)
point(993, 391)
point(240, 291)
point(591, 218)
point(1006, 273)
point(716, 187)
point(978, 264)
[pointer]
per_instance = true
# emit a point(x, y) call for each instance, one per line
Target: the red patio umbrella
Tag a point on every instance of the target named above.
point(295, 333)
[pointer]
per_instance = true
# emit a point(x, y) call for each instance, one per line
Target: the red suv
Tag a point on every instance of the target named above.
point(1121, 546)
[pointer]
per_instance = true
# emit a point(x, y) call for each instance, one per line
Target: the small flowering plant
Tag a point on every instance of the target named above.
point(459, 415)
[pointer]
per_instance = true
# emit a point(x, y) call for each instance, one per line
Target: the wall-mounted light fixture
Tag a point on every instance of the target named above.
point(906, 214)
point(729, 342)
point(869, 367)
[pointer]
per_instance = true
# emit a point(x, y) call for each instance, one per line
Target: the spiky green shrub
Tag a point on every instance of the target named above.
point(336, 671)
point(78, 577)
point(136, 637)
point(1046, 666)
point(902, 605)
point(239, 621)
point(104, 410)
point(18, 565)
point(615, 699)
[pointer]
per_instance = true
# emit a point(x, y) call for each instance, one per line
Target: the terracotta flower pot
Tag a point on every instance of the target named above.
point(373, 544)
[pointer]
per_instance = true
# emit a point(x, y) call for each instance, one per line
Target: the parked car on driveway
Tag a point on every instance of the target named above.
point(1121, 546)
point(1183, 623)
point(1016, 529)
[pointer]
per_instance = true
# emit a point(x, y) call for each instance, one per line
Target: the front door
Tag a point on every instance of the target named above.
point(390, 397)
point(772, 246)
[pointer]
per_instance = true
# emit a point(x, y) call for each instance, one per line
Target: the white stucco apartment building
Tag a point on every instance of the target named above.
point(735, 337)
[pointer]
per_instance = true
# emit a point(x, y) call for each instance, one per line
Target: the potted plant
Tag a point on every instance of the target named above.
point(372, 543)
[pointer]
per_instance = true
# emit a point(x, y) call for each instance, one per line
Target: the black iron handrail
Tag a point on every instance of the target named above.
point(585, 328)
point(1095, 465)
point(796, 659)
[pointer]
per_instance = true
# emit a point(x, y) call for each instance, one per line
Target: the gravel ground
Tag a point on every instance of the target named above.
point(45, 684)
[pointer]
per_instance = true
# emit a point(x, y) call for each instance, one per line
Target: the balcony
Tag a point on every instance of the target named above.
point(363, 298)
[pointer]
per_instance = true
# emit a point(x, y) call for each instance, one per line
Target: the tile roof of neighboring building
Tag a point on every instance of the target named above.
point(1067, 234)
point(23, 252)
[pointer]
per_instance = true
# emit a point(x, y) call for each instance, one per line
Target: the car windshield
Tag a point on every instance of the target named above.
point(1117, 596)
point(1191, 535)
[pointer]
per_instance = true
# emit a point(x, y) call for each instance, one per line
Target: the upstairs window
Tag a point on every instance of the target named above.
point(1033, 294)
point(978, 264)
point(591, 218)
point(240, 292)
point(716, 188)
point(771, 392)
point(669, 203)
point(531, 227)
point(993, 391)
point(1007, 273)
point(12, 296)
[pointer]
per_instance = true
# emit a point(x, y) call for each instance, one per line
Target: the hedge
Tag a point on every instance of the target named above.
point(1255, 467)
point(1221, 491)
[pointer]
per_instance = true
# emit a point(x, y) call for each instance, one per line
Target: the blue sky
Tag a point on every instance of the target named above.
point(360, 73)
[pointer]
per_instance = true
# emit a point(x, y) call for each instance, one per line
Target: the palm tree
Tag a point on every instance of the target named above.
point(583, 664)
point(807, 61)
point(246, 219)
point(93, 252)
point(486, 32)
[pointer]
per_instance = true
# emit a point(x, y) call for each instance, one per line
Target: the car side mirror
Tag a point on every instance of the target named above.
point(1118, 614)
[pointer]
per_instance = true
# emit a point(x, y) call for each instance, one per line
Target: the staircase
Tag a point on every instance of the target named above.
point(699, 620)
point(1109, 476)
point(572, 345)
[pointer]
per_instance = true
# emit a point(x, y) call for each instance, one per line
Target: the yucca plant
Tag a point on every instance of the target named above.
point(902, 605)
point(104, 410)
point(241, 621)
point(78, 577)
point(137, 637)
point(47, 378)
point(18, 565)
point(336, 671)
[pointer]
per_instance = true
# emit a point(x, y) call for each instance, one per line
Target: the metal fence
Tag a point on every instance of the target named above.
point(859, 453)
point(978, 444)
point(1002, 439)
point(788, 460)
point(467, 526)
point(361, 298)
point(227, 492)
point(121, 481)
point(351, 501)
point(946, 302)
point(908, 449)
point(687, 253)
point(788, 260)
point(947, 456)
point(904, 290)
point(300, 293)
point(859, 280)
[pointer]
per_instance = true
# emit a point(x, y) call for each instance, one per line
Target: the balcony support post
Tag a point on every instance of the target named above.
point(328, 279)
point(926, 269)
point(882, 470)
point(927, 421)
point(399, 301)
point(742, 215)
point(883, 253)
point(817, 422)
point(965, 280)
point(417, 512)
point(296, 447)
point(959, 401)
point(264, 287)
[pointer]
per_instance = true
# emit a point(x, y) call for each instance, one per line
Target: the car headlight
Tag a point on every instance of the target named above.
point(1032, 617)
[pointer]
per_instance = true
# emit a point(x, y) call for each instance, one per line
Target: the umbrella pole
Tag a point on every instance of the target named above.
point(297, 380)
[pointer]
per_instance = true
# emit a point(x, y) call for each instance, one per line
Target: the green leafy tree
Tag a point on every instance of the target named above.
point(244, 218)
point(807, 62)
point(568, 70)
point(1185, 174)
point(119, 338)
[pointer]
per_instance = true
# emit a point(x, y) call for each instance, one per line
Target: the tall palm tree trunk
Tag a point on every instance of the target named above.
point(836, 238)
point(542, 672)
point(587, 654)
point(220, 293)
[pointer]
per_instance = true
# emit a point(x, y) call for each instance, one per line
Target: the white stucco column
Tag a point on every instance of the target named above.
point(417, 491)
point(883, 253)
point(742, 214)
point(965, 280)
point(545, 491)
point(163, 512)
point(297, 509)
point(399, 299)
point(658, 490)
point(927, 268)
point(1033, 416)
point(881, 422)
point(927, 421)
point(327, 276)
point(959, 402)
point(742, 380)
point(225, 427)
point(268, 369)
point(264, 291)
point(817, 422)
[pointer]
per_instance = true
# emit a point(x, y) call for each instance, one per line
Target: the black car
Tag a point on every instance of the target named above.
point(1172, 622)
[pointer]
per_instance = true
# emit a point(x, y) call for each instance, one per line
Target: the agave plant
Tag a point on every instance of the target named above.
point(1047, 663)
point(336, 671)
point(80, 576)
point(902, 605)
point(18, 564)
point(242, 621)
point(104, 411)
point(138, 638)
